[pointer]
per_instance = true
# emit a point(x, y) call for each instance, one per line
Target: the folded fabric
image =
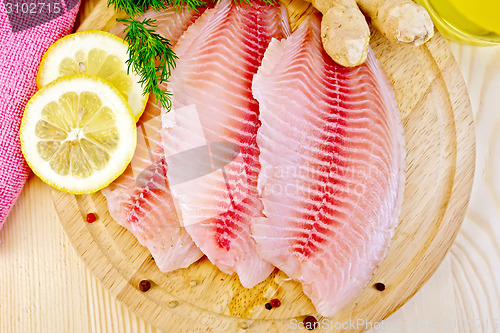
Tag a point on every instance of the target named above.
point(27, 29)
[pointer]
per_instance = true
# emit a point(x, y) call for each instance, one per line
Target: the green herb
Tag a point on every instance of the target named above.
point(135, 7)
point(191, 4)
point(151, 56)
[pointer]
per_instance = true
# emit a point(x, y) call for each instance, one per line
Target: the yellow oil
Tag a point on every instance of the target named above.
point(475, 22)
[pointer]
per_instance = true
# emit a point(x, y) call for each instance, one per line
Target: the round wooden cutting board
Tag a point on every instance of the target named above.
point(439, 171)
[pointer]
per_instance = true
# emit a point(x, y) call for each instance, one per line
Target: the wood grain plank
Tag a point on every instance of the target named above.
point(86, 7)
point(469, 277)
point(87, 301)
point(38, 260)
point(47, 286)
point(476, 252)
point(438, 126)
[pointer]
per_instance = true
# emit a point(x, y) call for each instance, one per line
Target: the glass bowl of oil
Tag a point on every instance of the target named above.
point(474, 22)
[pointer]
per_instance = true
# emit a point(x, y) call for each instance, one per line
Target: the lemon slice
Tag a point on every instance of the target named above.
point(78, 134)
point(95, 53)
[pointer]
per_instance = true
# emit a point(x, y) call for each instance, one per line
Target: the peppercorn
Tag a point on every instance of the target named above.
point(275, 303)
point(379, 286)
point(91, 217)
point(268, 306)
point(310, 323)
point(144, 285)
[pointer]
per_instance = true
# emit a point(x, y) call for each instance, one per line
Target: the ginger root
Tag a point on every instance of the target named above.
point(345, 33)
point(401, 21)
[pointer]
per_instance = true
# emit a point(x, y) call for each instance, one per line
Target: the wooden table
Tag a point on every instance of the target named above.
point(48, 289)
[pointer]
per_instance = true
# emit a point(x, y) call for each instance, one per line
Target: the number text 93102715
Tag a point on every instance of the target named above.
point(33, 7)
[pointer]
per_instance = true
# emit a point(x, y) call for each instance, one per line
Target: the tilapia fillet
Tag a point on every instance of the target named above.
point(218, 57)
point(140, 199)
point(332, 159)
point(170, 22)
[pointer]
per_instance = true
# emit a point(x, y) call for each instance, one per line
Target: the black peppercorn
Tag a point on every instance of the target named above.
point(144, 285)
point(310, 323)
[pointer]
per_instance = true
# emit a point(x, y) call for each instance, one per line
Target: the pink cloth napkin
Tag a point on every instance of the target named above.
point(27, 29)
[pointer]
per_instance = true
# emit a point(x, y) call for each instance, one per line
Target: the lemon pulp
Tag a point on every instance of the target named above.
point(99, 63)
point(77, 134)
point(95, 53)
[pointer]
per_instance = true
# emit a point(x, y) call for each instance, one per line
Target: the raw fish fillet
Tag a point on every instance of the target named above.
point(170, 22)
point(332, 157)
point(140, 199)
point(212, 98)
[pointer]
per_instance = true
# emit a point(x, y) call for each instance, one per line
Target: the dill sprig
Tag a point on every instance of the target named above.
point(151, 56)
point(191, 4)
point(136, 7)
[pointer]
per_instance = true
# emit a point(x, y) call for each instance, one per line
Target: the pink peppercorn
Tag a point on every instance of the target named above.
point(275, 303)
point(91, 217)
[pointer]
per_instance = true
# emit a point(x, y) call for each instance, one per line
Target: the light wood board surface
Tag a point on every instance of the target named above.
point(440, 158)
point(49, 289)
